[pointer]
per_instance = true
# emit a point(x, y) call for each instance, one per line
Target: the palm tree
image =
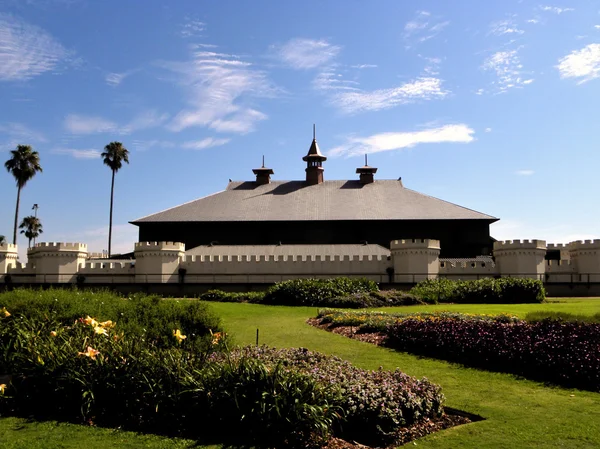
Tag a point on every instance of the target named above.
point(23, 165)
point(114, 155)
point(2, 240)
point(32, 227)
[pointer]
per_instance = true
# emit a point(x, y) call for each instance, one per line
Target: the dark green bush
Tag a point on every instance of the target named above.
point(383, 298)
point(482, 291)
point(541, 315)
point(143, 316)
point(315, 292)
point(221, 296)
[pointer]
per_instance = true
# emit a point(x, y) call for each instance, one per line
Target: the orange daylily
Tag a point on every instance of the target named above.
point(53, 333)
point(177, 334)
point(91, 353)
point(216, 337)
point(2, 388)
point(90, 321)
point(107, 324)
point(100, 330)
point(5, 312)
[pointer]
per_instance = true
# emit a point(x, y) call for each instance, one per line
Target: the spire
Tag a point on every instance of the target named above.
point(367, 173)
point(263, 174)
point(314, 160)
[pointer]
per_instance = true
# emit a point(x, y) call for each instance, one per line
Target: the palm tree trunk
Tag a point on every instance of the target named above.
point(112, 190)
point(17, 214)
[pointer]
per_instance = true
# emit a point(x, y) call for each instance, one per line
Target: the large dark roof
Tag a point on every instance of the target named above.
point(331, 200)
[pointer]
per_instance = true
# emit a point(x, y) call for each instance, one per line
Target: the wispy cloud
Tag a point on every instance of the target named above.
point(390, 141)
point(77, 154)
point(115, 79)
point(83, 124)
point(300, 53)
point(583, 64)
point(143, 145)
point(488, 130)
point(328, 79)
point(555, 9)
point(205, 143)
point(26, 50)
point(423, 27)
point(215, 86)
point(364, 66)
point(524, 172)
point(192, 28)
point(507, 67)
point(18, 133)
point(424, 88)
point(504, 27)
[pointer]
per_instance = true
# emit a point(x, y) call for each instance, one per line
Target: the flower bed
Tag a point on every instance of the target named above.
point(565, 353)
point(92, 371)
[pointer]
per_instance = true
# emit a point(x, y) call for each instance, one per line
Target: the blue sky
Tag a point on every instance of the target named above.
point(491, 105)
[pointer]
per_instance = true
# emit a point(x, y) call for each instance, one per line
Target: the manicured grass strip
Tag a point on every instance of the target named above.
point(19, 433)
point(518, 413)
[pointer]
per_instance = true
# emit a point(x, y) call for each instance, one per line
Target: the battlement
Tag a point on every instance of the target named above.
point(557, 246)
point(415, 244)
point(8, 248)
point(519, 244)
point(253, 258)
point(585, 244)
point(58, 246)
point(159, 246)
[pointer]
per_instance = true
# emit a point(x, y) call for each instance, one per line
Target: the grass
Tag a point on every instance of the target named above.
point(519, 413)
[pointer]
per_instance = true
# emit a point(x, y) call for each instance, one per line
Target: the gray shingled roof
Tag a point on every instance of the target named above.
point(331, 200)
point(289, 250)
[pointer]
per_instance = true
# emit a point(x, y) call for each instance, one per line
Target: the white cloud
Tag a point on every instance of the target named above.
point(114, 79)
point(301, 53)
point(583, 64)
point(18, 133)
point(503, 27)
point(488, 130)
point(143, 145)
point(79, 124)
point(555, 9)
point(215, 85)
point(597, 27)
point(192, 28)
point(533, 21)
point(425, 88)
point(205, 143)
point(82, 125)
point(329, 80)
point(26, 50)
point(524, 172)
point(423, 27)
point(364, 66)
point(508, 69)
point(78, 154)
point(354, 146)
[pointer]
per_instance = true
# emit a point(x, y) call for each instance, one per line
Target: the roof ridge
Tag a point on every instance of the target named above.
point(450, 202)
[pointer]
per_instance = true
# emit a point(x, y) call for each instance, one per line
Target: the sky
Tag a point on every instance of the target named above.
point(488, 104)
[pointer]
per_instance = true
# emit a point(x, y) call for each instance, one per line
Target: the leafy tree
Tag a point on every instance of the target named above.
point(2, 240)
point(114, 155)
point(32, 227)
point(23, 165)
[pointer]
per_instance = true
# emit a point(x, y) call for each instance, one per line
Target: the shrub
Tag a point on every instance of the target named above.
point(566, 353)
point(315, 292)
point(221, 296)
point(482, 291)
point(140, 315)
point(363, 300)
point(541, 315)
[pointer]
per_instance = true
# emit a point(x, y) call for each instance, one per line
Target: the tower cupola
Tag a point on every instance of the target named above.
point(263, 174)
point(314, 162)
point(367, 173)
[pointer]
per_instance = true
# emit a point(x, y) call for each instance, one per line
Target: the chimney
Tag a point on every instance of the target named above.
point(314, 162)
point(263, 175)
point(366, 173)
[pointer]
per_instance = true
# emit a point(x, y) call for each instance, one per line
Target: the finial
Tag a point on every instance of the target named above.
point(314, 132)
point(263, 166)
point(366, 163)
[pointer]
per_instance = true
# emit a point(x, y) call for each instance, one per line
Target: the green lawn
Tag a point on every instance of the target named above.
point(518, 413)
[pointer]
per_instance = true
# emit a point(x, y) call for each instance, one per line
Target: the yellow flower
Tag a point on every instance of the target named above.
point(2, 388)
point(216, 337)
point(90, 321)
point(107, 324)
point(100, 330)
point(177, 334)
point(53, 334)
point(5, 312)
point(91, 353)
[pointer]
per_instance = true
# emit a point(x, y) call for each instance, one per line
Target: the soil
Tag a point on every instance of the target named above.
point(405, 434)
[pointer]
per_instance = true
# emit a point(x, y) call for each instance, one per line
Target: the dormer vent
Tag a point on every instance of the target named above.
point(367, 173)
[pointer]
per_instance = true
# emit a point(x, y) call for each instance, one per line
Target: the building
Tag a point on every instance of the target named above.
point(316, 211)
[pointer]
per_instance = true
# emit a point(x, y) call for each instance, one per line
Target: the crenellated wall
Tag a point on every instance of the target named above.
point(407, 262)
